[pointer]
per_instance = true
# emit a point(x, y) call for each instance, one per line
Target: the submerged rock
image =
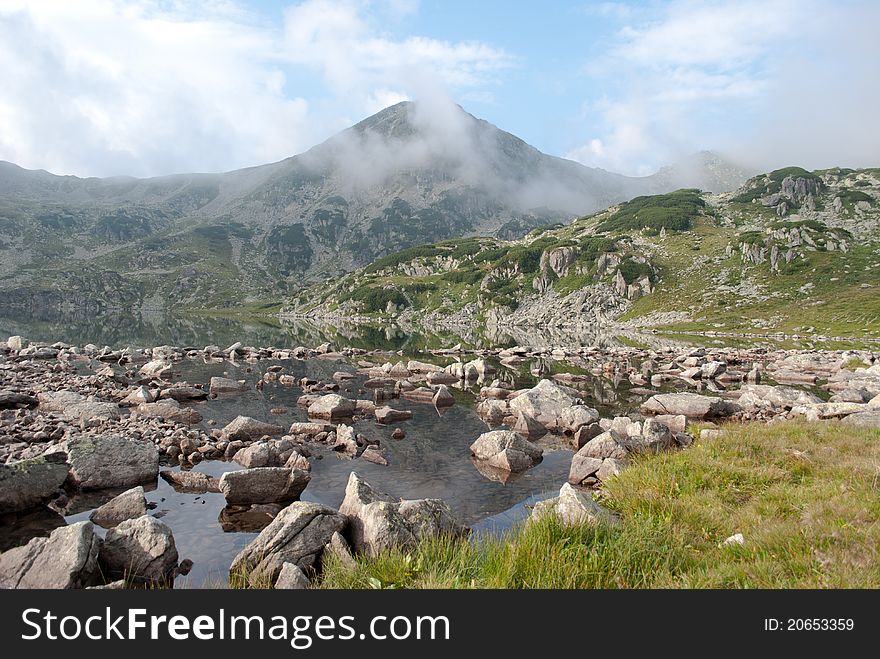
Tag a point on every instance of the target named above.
point(28, 483)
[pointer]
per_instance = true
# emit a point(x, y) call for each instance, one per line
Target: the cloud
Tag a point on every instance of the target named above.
point(146, 87)
point(750, 78)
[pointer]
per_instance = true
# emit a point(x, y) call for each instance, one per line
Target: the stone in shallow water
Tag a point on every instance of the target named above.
point(28, 483)
point(246, 428)
point(104, 461)
point(140, 550)
point(263, 485)
point(506, 449)
point(128, 505)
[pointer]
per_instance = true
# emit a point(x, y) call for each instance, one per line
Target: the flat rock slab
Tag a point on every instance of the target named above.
point(106, 461)
point(692, 406)
point(263, 485)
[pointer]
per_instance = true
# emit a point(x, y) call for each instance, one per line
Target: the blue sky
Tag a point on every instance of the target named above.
point(147, 87)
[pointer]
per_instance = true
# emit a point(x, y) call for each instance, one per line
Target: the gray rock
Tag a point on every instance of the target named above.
point(220, 385)
point(867, 419)
point(68, 558)
point(170, 410)
point(332, 406)
point(379, 522)
point(527, 426)
point(693, 406)
point(339, 549)
point(506, 449)
point(572, 507)
point(297, 535)
point(140, 550)
point(375, 455)
point(263, 485)
point(128, 505)
point(443, 397)
point(546, 402)
point(191, 482)
point(111, 461)
point(13, 400)
point(386, 414)
point(291, 577)
point(576, 417)
point(247, 428)
point(655, 438)
point(29, 483)
point(583, 467)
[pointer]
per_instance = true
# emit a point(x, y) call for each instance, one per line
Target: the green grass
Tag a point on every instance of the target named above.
point(805, 496)
point(674, 211)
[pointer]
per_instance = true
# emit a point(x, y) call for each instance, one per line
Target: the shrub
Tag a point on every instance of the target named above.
point(674, 211)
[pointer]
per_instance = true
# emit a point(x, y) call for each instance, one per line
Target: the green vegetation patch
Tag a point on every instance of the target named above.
point(674, 211)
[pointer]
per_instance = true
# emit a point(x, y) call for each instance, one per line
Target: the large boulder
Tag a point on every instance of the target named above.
point(763, 395)
point(128, 505)
point(604, 454)
point(297, 535)
point(29, 483)
point(332, 406)
point(654, 438)
point(379, 522)
point(68, 558)
point(506, 449)
point(111, 461)
point(263, 485)
point(246, 428)
point(693, 406)
point(58, 401)
point(546, 402)
point(169, 410)
point(868, 419)
point(91, 410)
point(572, 507)
point(139, 550)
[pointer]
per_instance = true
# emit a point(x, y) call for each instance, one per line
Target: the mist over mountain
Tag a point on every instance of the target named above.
point(408, 175)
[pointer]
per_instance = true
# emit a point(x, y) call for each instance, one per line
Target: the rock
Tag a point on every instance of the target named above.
point(258, 454)
point(582, 468)
point(693, 406)
point(398, 433)
point(339, 549)
point(708, 434)
point(13, 400)
point(713, 369)
point(128, 505)
point(28, 483)
point(675, 422)
point(140, 395)
point(874, 403)
point(378, 522)
point(375, 455)
point(220, 385)
point(492, 411)
point(170, 410)
point(576, 417)
point(183, 392)
point(346, 441)
point(867, 419)
point(546, 402)
point(586, 433)
point(758, 395)
point(443, 397)
point(332, 406)
point(307, 428)
point(191, 482)
point(437, 378)
point(247, 428)
point(58, 401)
point(103, 461)
point(263, 485)
point(291, 577)
point(90, 410)
point(297, 535)
point(156, 368)
point(572, 507)
point(68, 558)
point(735, 539)
point(15, 343)
point(610, 468)
point(655, 438)
point(140, 550)
point(527, 426)
point(607, 445)
point(506, 449)
point(388, 414)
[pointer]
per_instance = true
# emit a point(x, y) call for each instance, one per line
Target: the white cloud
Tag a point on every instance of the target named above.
point(144, 87)
point(751, 78)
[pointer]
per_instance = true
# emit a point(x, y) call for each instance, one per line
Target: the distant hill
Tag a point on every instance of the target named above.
point(791, 250)
point(406, 176)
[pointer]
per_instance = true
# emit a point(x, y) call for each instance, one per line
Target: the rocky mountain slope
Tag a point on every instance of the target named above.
point(791, 251)
point(408, 175)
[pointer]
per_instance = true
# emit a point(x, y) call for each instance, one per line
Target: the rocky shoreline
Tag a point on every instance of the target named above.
point(86, 419)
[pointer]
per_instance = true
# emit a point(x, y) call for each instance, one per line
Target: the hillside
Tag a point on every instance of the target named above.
point(405, 176)
point(791, 251)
